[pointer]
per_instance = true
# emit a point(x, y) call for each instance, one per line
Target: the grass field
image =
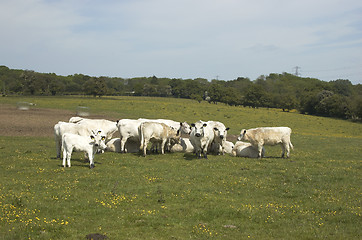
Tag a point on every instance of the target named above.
point(316, 194)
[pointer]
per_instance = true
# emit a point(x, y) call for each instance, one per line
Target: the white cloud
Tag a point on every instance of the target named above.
point(183, 38)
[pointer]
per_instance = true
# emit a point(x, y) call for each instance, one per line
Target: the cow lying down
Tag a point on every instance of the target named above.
point(114, 145)
point(244, 149)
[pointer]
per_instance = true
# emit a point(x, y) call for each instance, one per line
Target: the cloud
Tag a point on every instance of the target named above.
point(184, 38)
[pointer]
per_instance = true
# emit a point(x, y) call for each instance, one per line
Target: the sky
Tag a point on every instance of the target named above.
point(188, 39)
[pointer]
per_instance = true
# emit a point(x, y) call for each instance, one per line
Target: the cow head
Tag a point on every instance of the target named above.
point(98, 139)
point(185, 127)
point(242, 135)
point(221, 132)
point(198, 128)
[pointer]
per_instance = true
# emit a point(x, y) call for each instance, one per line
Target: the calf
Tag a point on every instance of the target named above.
point(73, 142)
point(244, 149)
point(258, 137)
point(63, 127)
point(156, 133)
point(201, 137)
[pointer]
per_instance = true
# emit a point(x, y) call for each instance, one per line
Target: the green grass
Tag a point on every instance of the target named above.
point(316, 194)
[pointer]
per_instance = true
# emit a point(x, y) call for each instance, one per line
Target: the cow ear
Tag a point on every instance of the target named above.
point(103, 138)
point(244, 131)
point(192, 124)
point(180, 123)
point(92, 137)
point(227, 129)
point(215, 129)
point(204, 125)
point(99, 131)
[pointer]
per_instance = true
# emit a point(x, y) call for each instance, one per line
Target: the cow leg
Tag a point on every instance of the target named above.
point(69, 156)
point(163, 146)
point(285, 149)
point(205, 151)
point(145, 143)
point(260, 151)
point(123, 143)
point(91, 159)
point(64, 157)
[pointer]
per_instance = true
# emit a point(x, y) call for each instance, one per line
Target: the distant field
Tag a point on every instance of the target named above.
point(316, 194)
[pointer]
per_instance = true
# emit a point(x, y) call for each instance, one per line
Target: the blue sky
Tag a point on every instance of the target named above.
point(223, 39)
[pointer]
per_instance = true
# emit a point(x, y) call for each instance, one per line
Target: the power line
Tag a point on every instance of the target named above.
point(296, 71)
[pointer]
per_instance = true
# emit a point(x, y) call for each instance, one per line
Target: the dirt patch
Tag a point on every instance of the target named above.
point(35, 122)
point(39, 122)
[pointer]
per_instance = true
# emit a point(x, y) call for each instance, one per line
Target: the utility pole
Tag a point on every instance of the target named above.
point(296, 71)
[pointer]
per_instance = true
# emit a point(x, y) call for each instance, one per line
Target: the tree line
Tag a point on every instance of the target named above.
point(338, 98)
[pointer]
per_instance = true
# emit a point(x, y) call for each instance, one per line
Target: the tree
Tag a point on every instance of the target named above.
point(256, 97)
point(95, 87)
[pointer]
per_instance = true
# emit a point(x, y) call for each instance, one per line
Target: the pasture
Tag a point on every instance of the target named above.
point(315, 194)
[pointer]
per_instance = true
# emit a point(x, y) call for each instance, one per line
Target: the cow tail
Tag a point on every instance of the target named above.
point(291, 145)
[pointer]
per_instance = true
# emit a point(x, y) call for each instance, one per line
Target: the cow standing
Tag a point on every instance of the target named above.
point(259, 137)
point(220, 133)
point(201, 137)
point(157, 133)
point(89, 144)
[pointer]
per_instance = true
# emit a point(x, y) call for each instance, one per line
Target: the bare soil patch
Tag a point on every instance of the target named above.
point(35, 122)
point(39, 122)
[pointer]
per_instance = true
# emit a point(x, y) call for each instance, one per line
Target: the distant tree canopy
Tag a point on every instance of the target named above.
point(337, 98)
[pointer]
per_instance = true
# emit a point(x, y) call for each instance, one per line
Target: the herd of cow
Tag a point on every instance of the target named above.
point(95, 135)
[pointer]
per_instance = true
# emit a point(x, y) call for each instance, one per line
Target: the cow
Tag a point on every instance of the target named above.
point(114, 145)
point(183, 127)
point(220, 133)
point(201, 137)
point(88, 144)
point(184, 146)
point(128, 129)
point(245, 149)
point(258, 137)
point(108, 127)
point(216, 147)
point(156, 133)
point(63, 127)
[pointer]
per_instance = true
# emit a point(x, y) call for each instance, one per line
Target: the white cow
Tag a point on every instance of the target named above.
point(258, 137)
point(245, 149)
point(185, 145)
point(108, 127)
point(227, 147)
point(63, 127)
point(156, 133)
point(114, 145)
point(128, 129)
point(220, 133)
point(184, 127)
point(201, 137)
point(74, 142)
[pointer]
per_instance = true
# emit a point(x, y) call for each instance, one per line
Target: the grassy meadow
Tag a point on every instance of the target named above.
point(315, 194)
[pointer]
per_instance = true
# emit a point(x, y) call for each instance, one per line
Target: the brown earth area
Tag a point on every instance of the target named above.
point(34, 122)
point(39, 122)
